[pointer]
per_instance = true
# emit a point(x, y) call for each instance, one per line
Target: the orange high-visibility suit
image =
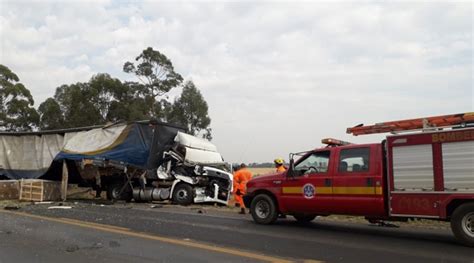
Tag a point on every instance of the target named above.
point(280, 168)
point(241, 177)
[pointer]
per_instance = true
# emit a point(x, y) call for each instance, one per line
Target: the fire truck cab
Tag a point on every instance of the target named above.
point(427, 174)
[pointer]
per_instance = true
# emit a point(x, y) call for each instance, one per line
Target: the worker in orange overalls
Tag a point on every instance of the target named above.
point(241, 177)
point(279, 165)
point(235, 185)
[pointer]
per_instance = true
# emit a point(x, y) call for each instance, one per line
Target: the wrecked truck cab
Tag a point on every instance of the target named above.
point(195, 162)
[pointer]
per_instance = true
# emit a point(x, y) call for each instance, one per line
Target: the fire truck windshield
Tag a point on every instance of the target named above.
point(316, 162)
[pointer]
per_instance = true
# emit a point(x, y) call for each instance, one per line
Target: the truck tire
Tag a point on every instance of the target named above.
point(113, 191)
point(263, 209)
point(304, 218)
point(183, 194)
point(462, 224)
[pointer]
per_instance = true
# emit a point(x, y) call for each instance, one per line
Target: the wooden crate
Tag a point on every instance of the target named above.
point(39, 190)
point(9, 189)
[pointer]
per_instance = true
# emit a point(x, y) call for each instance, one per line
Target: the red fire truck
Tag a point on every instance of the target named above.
point(424, 169)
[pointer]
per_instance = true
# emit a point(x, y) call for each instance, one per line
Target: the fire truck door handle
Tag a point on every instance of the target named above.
point(327, 182)
point(370, 182)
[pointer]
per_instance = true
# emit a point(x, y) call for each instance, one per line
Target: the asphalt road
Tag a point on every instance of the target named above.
point(126, 233)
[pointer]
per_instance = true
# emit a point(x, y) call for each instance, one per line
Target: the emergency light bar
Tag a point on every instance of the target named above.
point(334, 142)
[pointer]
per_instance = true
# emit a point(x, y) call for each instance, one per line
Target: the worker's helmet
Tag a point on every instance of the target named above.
point(279, 161)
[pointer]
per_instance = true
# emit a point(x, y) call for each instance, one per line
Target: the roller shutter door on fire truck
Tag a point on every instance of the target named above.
point(458, 166)
point(413, 168)
point(413, 191)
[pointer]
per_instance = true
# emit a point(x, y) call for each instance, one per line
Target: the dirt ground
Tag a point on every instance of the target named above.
point(261, 171)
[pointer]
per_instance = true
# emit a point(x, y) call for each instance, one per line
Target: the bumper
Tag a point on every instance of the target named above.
point(248, 200)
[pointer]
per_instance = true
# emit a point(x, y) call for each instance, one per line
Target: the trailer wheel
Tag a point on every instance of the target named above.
point(183, 194)
point(263, 209)
point(462, 224)
point(113, 192)
point(304, 218)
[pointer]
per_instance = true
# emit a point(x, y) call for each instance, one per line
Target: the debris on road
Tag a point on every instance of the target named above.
point(43, 203)
point(114, 244)
point(97, 245)
point(11, 207)
point(199, 210)
point(60, 207)
point(72, 248)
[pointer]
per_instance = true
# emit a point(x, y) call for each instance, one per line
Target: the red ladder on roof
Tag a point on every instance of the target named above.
point(413, 124)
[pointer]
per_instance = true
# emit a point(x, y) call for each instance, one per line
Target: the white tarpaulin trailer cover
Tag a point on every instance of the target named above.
point(96, 140)
point(29, 156)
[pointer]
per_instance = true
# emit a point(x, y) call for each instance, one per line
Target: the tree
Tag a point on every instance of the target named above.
point(102, 99)
point(191, 111)
point(157, 77)
point(105, 90)
point(78, 103)
point(16, 103)
point(117, 101)
point(128, 105)
point(51, 117)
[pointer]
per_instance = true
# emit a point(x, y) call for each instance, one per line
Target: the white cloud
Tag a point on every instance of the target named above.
point(277, 76)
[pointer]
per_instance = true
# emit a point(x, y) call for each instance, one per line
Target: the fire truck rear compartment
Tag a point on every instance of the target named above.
point(426, 174)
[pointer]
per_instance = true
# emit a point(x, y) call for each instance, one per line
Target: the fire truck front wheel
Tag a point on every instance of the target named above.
point(263, 209)
point(462, 224)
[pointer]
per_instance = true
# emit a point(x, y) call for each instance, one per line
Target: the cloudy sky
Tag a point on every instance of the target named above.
point(278, 76)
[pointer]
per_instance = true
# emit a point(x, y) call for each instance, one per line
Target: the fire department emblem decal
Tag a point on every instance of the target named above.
point(308, 191)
